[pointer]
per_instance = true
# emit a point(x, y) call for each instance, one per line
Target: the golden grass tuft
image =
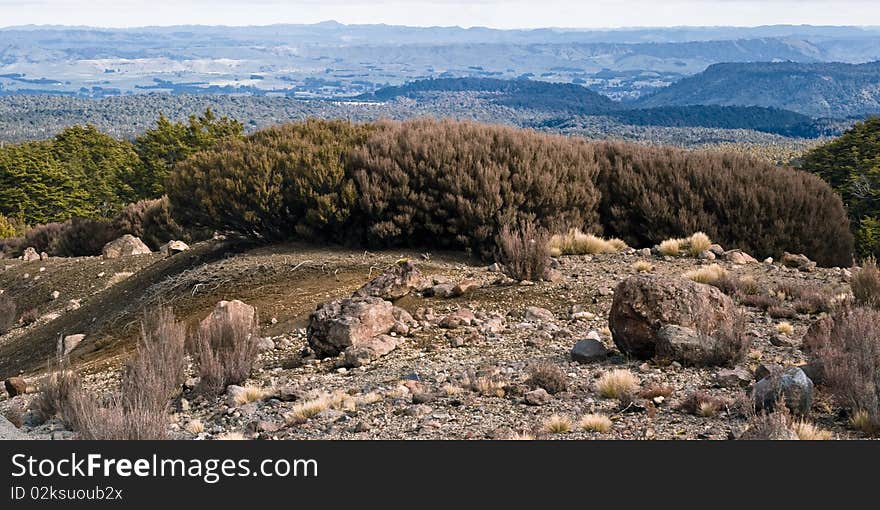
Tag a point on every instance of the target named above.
point(617, 383)
point(575, 242)
point(785, 328)
point(337, 400)
point(231, 436)
point(595, 423)
point(557, 424)
point(707, 409)
point(195, 426)
point(861, 420)
point(489, 387)
point(642, 266)
point(698, 243)
point(670, 247)
point(706, 274)
point(809, 432)
point(251, 394)
point(521, 436)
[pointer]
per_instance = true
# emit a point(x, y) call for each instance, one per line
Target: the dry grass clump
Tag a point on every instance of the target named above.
point(488, 387)
point(557, 424)
point(847, 349)
point(575, 242)
point(337, 400)
point(226, 350)
point(865, 284)
point(618, 383)
point(698, 243)
point(521, 436)
point(670, 247)
point(808, 432)
point(231, 436)
point(524, 251)
point(785, 328)
point(595, 423)
point(548, 376)
point(195, 426)
point(770, 426)
point(251, 394)
point(642, 266)
point(706, 274)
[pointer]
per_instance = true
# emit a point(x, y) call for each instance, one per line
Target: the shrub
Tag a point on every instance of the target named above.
point(808, 432)
point(83, 237)
point(670, 247)
point(700, 403)
point(152, 222)
point(770, 426)
point(617, 384)
point(785, 328)
point(7, 313)
point(654, 193)
point(42, 237)
point(548, 376)
point(524, 252)
point(8, 228)
point(29, 316)
point(865, 284)
point(847, 350)
point(226, 350)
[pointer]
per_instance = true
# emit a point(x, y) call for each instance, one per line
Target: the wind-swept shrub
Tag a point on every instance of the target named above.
point(866, 284)
point(152, 222)
point(524, 251)
point(82, 237)
point(7, 313)
point(226, 350)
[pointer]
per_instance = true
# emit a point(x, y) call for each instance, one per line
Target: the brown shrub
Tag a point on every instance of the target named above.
point(524, 251)
point(847, 350)
point(700, 403)
point(548, 376)
point(152, 222)
point(770, 426)
point(781, 312)
point(226, 350)
point(41, 237)
point(866, 284)
point(83, 237)
point(29, 316)
point(654, 390)
point(7, 313)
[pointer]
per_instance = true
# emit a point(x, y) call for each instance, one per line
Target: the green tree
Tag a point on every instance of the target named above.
point(169, 142)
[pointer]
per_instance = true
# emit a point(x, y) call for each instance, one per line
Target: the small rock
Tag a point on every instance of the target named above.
point(537, 397)
point(733, 377)
point(537, 314)
point(495, 268)
point(15, 386)
point(739, 257)
point(800, 262)
point(367, 351)
point(589, 351)
point(419, 410)
point(461, 317)
point(265, 344)
point(780, 340)
point(126, 246)
point(69, 343)
point(394, 283)
point(55, 295)
point(172, 248)
point(30, 255)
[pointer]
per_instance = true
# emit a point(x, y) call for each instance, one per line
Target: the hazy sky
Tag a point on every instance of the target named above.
point(491, 13)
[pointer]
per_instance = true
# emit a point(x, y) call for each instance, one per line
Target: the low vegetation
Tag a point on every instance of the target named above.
point(524, 251)
point(865, 284)
point(617, 384)
point(575, 242)
point(226, 350)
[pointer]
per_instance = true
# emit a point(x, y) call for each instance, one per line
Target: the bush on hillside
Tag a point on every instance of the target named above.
point(82, 237)
point(651, 194)
point(151, 220)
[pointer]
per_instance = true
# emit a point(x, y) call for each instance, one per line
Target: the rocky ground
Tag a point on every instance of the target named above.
point(461, 368)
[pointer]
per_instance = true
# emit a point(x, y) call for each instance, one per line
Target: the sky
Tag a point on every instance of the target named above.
point(488, 13)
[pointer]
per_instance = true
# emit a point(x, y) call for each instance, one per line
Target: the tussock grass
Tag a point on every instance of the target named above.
point(698, 243)
point(670, 247)
point(557, 424)
point(785, 328)
point(808, 432)
point(642, 266)
point(595, 423)
point(617, 383)
point(706, 274)
point(195, 426)
point(575, 242)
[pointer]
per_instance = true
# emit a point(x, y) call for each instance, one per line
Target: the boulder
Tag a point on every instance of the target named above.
point(538, 314)
point(685, 345)
point(15, 386)
point(643, 304)
point(234, 311)
point(30, 255)
point(69, 343)
point(589, 351)
point(394, 283)
point(364, 353)
point(738, 377)
point(337, 325)
point(537, 397)
point(126, 246)
point(790, 385)
point(458, 318)
point(739, 257)
point(799, 261)
point(172, 248)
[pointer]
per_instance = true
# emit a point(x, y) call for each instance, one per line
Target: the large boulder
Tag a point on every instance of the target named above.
point(798, 261)
point(643, 304)
point(369, 350)
point(230, 312)
point(30, 255)
point(125, 246)
point(394, 283)
point(337, 325)
point(173, 248)
point(68, 343)
point(790, 385)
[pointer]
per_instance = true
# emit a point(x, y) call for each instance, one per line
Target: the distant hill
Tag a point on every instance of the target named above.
point(568, 99)
point(540, 95)
point(816, 89)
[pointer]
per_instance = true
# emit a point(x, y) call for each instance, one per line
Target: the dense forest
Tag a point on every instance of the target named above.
point(419, 183)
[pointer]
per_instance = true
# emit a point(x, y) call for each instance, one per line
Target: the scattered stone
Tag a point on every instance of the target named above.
point(643, 304)
point(465, 286)
point(589, 351)
point(706, 255)
point(419, 410)
point(369, 350)
point(791, 385)
point(394, 283)
point(15, 386)
point(553, 276)
point(716, 249)
point(461, 317)
point(30, 255)
point(265, 344)
point(173, 248)
point(780, 340)
point(768, 261)
point(234, 311)
point(55, 295)
point(800, 262)
point(738, 377)
point(537, 397)
point(330, 415)
point(644, 252)
point(739, 257)
point(126, 246)
point(495, 268)
point(43, 256)
point(537, 314)
point(69, 343)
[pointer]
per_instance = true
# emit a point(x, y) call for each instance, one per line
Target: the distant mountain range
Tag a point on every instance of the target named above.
point(334, 60)
point(816, 89)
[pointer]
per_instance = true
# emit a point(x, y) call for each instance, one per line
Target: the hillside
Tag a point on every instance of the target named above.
point(815, 89)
